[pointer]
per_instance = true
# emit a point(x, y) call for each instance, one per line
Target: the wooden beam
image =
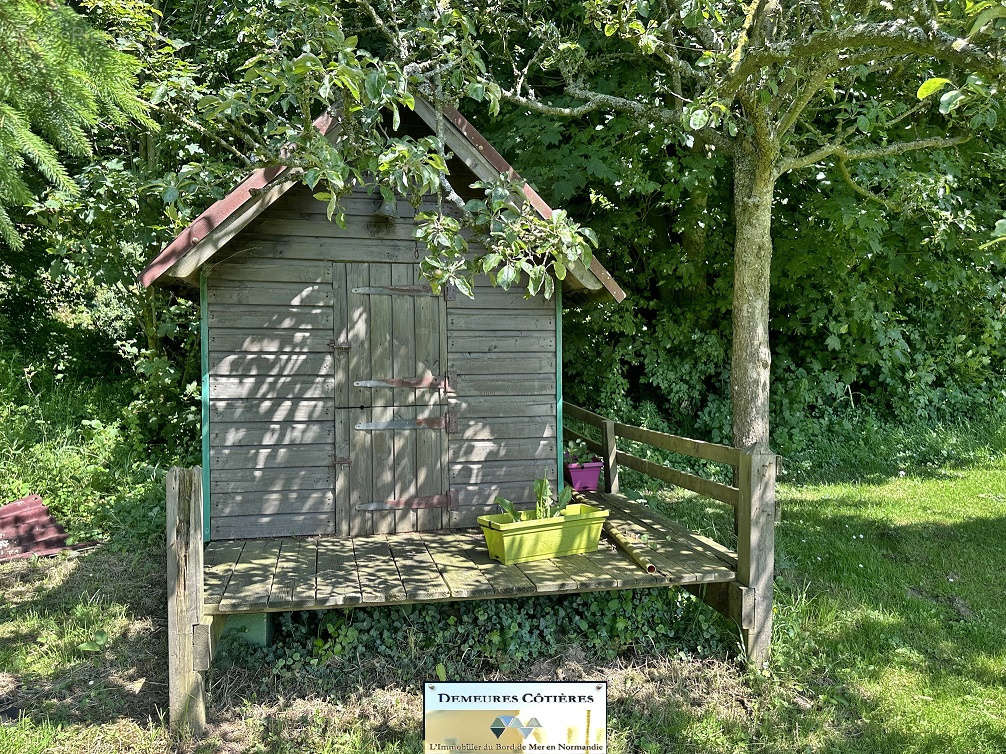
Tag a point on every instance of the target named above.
point(755, 515)
point(184, 530)
point(609, 454)
point(711, 451)
point(706, 487)
point(730, 599)
point(583, 415)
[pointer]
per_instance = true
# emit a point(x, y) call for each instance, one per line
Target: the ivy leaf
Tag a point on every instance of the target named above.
point(931, 86)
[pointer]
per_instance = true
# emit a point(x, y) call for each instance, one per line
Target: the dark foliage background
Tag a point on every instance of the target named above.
point(882, 318)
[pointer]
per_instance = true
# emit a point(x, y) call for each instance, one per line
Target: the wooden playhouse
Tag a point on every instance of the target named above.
point(355, 425)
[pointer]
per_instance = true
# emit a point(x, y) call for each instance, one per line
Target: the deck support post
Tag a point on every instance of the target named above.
point(187, 628)
point(609, 453)
point(756, 547)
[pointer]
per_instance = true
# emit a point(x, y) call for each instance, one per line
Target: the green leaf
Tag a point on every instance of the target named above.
point(951, 101)
point(698, 119)
point(506, 276)
point(476, 91)
point(833, 343)
point(1000, 229)
point(441, 672)
point(931, 86)
point(985, 16)
point(159, 94)
point(372, 86)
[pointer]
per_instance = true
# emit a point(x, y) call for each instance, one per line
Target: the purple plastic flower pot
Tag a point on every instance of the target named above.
point(584, 477)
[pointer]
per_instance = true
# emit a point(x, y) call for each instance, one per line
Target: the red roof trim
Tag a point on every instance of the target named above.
point(496, 159)
point(218, 213)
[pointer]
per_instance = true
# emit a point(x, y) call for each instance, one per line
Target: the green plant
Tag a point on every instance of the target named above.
point(507, 507)
point(546, 505)
point(63, 78)
point(578, 452)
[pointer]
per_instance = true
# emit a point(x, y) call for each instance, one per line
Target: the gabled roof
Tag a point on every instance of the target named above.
point(224, 219)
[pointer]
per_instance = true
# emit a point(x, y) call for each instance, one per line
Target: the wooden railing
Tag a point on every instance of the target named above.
point(752, 500)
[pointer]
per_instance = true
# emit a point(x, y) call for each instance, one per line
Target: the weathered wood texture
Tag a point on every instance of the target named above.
point(184, 533)
point(756, 546)
point(382, 569)
point(748, 600)
point(501, 356)
point(346, 398)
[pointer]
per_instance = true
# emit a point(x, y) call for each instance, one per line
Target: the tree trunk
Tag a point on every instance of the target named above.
point(754, 184)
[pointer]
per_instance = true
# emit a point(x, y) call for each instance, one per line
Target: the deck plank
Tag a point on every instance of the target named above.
point(219, 559)
point(275, 574)
point(547, 576)
point(380, 581)
point(663, 526)
point(293, 584)
point(338, 579)
point(621, 567)
point(251, 581)
point(506, 580)
point(419, 573)
point(679, 560)
point(463, 576)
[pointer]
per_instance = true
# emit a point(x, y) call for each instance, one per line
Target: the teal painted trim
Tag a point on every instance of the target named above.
point(204, 359)
point(558, 386)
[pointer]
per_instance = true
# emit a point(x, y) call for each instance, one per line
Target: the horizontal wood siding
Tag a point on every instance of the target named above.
point(273, 411)
point(501, 361)
point(301, 311)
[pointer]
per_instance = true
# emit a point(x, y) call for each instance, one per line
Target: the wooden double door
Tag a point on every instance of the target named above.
point(391, 420)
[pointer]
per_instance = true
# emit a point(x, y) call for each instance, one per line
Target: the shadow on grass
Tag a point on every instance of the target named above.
point(52, 607)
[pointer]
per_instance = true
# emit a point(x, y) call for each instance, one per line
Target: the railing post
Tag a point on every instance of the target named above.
point(609, 450)
point(755, 519)
point(184, 529)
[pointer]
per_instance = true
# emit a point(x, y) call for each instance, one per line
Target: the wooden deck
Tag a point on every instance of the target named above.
point(275, 574)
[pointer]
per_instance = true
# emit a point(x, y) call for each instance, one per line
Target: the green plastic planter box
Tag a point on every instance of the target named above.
point(577, 529)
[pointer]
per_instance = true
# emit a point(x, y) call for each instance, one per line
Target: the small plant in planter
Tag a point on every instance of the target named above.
point(583, 467)
point(555, 527)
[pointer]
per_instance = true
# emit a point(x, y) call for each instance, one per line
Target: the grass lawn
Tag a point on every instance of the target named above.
point(890, 636)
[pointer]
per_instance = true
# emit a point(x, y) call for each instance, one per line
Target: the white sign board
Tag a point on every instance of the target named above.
point(516, 717)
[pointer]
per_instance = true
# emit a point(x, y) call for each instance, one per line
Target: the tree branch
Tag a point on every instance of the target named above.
point(899, 36)
point(843, 169)
point(870, 153)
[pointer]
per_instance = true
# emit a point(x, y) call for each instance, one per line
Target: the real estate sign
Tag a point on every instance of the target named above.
point(515, 717)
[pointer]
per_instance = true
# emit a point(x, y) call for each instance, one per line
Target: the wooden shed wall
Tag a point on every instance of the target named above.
point(288, 337)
